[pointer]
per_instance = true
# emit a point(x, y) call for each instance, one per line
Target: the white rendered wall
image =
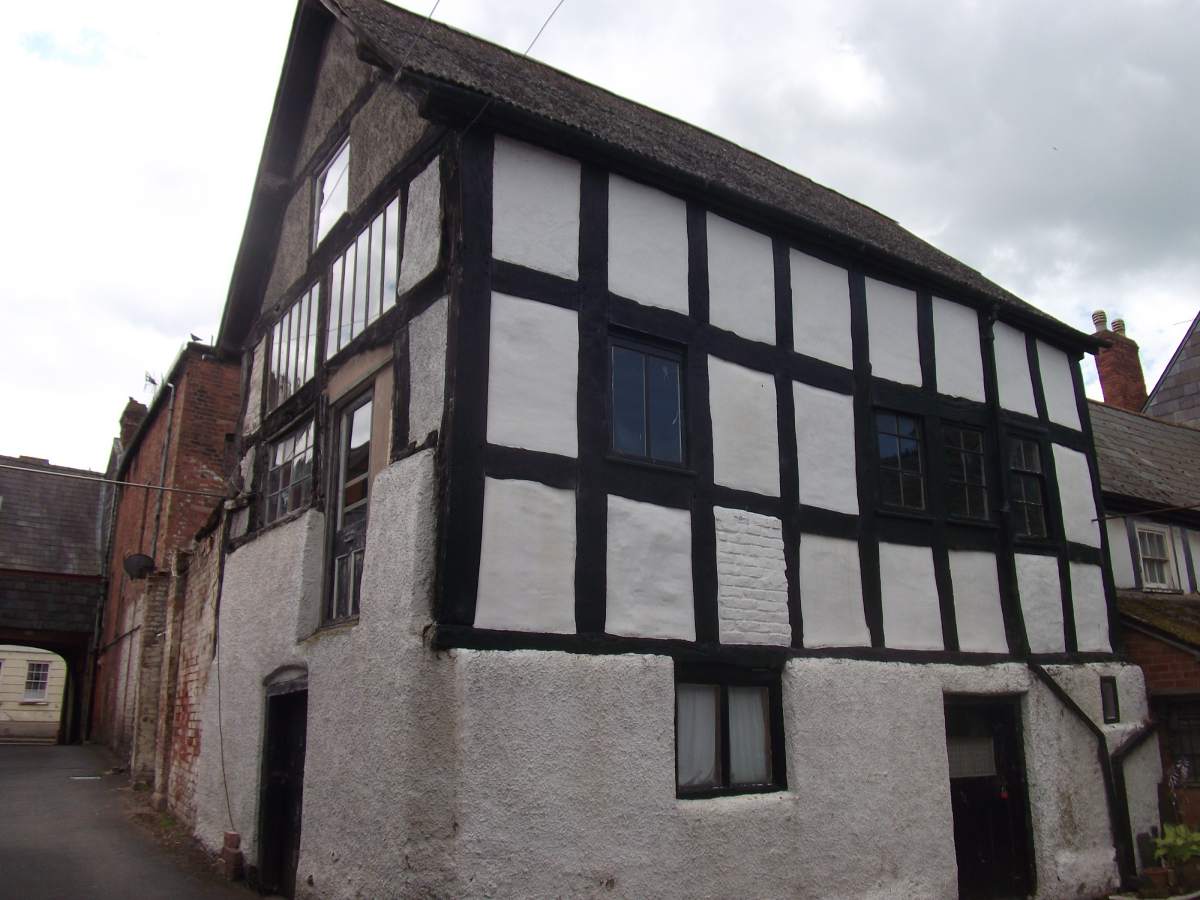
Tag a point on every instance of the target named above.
point(912, 618)
point(892, 330)
point(526, 558)
point(1178, 536)
point(751, 579)
point(427, 371)
point(1118, 552)
point(1012, 370)
point(1041, 602)
point(1075, 494)
point(741, 280)
point(957, 358)
point(647, 245)
point(649, 573)
point(535, 208)
point(254, 389)
point(745, 433)
point(422, 227)
point(532, 376)
point(1090, 607)
point(1143, 772)
point(1057, 385)
point(820, 309)
point(831, 593)
point(978, 613)
point(825, 447)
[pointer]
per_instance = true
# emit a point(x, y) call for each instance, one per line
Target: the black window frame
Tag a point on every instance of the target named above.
point(346, 541)
point(647, 346)
point(952, 483)
point(1023, 475)
point(922, 473)
point(724, 677)
point(318, 186)
point(1110, 700)
point(293, 430)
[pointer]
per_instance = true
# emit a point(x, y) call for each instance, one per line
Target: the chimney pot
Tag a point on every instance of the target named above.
point(1118, 326)
point(1100, 320)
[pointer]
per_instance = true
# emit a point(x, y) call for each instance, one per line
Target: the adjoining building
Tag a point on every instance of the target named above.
point(31, 694)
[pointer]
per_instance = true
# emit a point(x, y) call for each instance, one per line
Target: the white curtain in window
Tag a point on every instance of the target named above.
point(697, 761)
point(749, 749)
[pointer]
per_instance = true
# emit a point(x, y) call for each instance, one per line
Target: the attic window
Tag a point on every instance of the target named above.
point(1154, 548)
point(362, 282)
point(332, 194)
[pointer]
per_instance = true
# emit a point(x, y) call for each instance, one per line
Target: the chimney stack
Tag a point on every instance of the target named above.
point(131, 418)
point(1119, 365)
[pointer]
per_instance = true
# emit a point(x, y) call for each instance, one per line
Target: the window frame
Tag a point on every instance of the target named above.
point(318, 189)
point(1109, 696)
point(724, 677)
point(951, 483)
point(285, 378)
point(40, 686)
point(660, 349)
point(925, 510)
point(1183, 741)
point(353, 538)
point(308, 424)
point(1014, 473)
point(1164, 532)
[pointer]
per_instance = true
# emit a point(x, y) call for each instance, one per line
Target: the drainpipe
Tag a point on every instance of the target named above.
point(162, 470)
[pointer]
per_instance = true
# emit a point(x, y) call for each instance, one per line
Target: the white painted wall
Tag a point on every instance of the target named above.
point(741, 280)
point(1012, 370)
point(831, 593)
point(912, 618)
point(820, 309)
point(978, 613)
point(825, 448)
point(1090, 607)
point(1041, 602)
point(647, 245)
point(1075, 494)
point(649, 571)
point(527, 558)
point(1143, 772)
point(745, 433)
point(957, 357)
point(427, 370)
point(892, 331)
point(1119, 555)
point(535, 208)
point(1178, 536)
point(422, 227)
point(254, 390)
point(532, 376)
point(1057, 385)
point(751, 579)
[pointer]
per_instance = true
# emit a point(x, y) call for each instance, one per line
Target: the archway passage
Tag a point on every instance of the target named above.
point(33, 684)
point(71, 648)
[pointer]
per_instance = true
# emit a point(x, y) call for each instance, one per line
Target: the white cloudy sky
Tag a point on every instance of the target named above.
point(1051, 146)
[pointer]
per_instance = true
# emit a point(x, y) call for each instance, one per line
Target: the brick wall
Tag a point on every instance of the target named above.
point(1168, 669)
point(751, 579)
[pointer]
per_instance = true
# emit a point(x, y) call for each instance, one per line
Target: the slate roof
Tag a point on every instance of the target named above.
point(47, 523)
point(1176, 615)
point(447, 55)
point(1145, 458)
point(1176, 396)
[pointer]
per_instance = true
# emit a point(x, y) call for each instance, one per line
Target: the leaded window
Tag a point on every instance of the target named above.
point(901, 462)
point(352, 473)
point(362, 282)
point(966, 482)
point(647, 401)
point(293, 349)
point(1028, 488)
point(289, 474)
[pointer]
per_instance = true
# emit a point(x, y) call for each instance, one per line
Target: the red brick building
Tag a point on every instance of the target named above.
point(182, 443)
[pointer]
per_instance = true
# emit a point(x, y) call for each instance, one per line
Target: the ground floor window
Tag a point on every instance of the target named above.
point(37, 676)
point(1183, 738)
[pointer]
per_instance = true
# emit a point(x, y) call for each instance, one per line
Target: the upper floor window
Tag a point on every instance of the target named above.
point(352, 473)
point(332, 193)
point(289, 474)
point(293, 349)
point(362, 284)
point(1028, 487)
point(37, 677)
point(647, 401)
point(966, 483)
point(1158, 567)
point(901, 461)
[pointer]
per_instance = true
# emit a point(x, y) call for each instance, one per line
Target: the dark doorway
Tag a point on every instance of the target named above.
point(282, 791)
point(989, 798)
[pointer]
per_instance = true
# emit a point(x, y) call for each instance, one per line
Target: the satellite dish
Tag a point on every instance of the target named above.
point(138, 565)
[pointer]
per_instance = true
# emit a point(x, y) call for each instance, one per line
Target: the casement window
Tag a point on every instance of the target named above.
point(1154, 550)
point(1028, 487)
point(289, 473)
point(332, 193)
point(352, 479)
point(901, 460)
point(1110, 704)
point(293, 359)
point(966, 483)
point(647, 401)
point(37, 677)
point(362, 282)
point(728, 732)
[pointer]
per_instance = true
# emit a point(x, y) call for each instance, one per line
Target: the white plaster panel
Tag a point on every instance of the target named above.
point(892, 332)
point(1057, 385)
point(254, 392)
point(745, 433)
point(912, 618)
point(1041, 602)
point(535, 208)
point(1143, 772)
point(647, 245)
point(427, 371)
point(1075, 494)
point(532, 381)
point(957, 357)
point(831, 593)
point(1091, 609)
point(820, 309)
point(825, 448)
point(527, 558)
point(1178, 536)
point(649, 571)
point(741, 280)
point(751, 579)
point(1119, 555)
point(1012, 370)
point(422, 227)
point(977, 607)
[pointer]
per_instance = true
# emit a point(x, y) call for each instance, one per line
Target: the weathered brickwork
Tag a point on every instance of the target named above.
point(1168, 669)
point(751, 579)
